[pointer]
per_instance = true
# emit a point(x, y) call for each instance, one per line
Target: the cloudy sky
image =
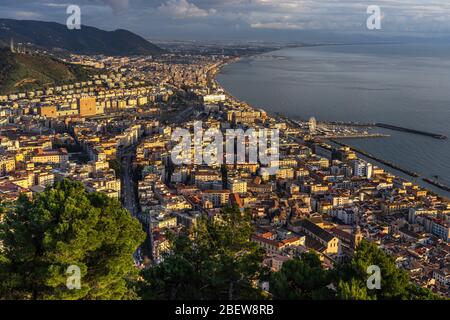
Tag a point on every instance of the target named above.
point(241, 19)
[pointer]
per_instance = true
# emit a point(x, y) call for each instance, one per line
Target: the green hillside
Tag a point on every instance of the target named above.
point(22, 72)
point(88, 40)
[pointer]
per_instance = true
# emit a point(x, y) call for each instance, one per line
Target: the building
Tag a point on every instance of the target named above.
point(48, 111)
point(329, 243)
point(442, 276)
point(44, 179)
point(87, 106)
point(441, 229)
point(237, 186)
point(346, 215)
point(362, 168)
point(163, 222)
point(51, 156)
point(214, 98)
point(275, 261)
point(7, 164)
point(107, 185)
point(207, 179)
point(274, 246)
point(217, 197)
point(160, 245)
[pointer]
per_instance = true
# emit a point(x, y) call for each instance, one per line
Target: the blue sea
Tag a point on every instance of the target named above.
point(400, 84)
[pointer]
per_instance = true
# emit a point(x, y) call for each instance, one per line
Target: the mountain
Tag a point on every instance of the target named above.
point(22, 72)
point(88, 40)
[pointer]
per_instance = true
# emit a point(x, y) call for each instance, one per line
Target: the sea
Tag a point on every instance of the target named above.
point(402, 84)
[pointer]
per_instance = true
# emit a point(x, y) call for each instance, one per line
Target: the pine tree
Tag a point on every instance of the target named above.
point(301, 278)
point(62, 227)
point(352, 290)
point(395, 282)
point(216, 261)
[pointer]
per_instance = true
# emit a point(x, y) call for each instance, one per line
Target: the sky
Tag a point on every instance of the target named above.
point(242, 19)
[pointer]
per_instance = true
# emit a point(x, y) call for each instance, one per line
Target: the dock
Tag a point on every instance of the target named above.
point(437, 184)
point(413, 131)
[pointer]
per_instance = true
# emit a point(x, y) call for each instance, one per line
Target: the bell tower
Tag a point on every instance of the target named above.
point(356, 237)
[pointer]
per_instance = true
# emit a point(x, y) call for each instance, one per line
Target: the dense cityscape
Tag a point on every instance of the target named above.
point(113, 134)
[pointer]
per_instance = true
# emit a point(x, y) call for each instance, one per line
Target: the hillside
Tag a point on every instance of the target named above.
point(88, 40)
point(21, 72)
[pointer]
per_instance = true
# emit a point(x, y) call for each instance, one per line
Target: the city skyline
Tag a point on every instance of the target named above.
point(245, 172)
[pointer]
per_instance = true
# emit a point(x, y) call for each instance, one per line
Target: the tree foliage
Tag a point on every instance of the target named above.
point(67, 226)
point(352, 290)
point(216, 261)
point(395, 282)
point(301, 278)
point(304, 278)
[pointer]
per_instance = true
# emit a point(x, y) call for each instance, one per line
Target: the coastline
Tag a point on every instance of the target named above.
point(426, 182)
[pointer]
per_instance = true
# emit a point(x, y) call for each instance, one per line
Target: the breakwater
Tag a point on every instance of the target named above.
point(385, 162)
point(423, 133)
point(437, 184)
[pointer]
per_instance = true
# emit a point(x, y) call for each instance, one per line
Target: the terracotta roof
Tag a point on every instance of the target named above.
point(316, 230)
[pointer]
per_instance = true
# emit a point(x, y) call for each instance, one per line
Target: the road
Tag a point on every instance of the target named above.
point(128, 190)
point(125, 157)
point(183, 115)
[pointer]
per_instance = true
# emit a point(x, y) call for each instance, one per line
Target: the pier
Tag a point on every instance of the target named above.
point(402, 129)
point(386, 126)
point(354, 136)
point(437, 184)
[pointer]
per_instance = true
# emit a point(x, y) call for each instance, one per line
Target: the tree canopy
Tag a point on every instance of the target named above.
point(62, 227)
point(65, 226)
point(304, 278)
point(301, 278)
point(395, 282)
point(217, 260)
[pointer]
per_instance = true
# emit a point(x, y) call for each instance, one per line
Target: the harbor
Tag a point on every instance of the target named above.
point(387, 126)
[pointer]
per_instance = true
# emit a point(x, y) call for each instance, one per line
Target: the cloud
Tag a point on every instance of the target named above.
point(183, 9)
point(343, 15)
point(20, 14)
point(240, 18)
point(117, 5)
point(277, 26)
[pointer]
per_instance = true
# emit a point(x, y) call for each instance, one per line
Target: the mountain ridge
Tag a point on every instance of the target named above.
point(87, 40)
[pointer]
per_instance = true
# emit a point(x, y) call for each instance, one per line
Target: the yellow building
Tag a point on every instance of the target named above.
point(52, 156)
point(285, 173)
point(329, 244)
point(163, 222)
point(87, 106)
point(7, 164)
point(216, 197)
point(48, 111)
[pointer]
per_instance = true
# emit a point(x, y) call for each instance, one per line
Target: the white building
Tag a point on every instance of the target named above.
point(346, 215)
point(214, 98)
point(237, 186)
point(362, 168)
